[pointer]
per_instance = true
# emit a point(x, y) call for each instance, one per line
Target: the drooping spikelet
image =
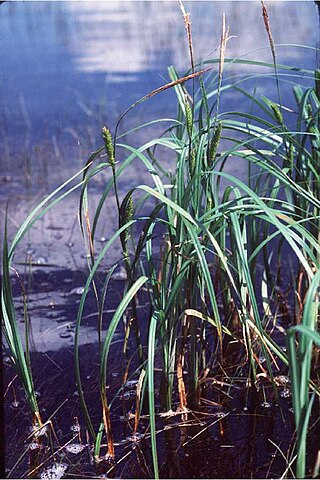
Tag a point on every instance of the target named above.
point(192, 163)
point(214, 143)
point(291, 156)
point(189, 117)
point(126, 215)
point(108, 142)
point(277, 113)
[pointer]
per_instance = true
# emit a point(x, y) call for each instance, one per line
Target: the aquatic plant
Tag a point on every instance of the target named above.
point(202, 280)
point(300, 363)
point(192, 241)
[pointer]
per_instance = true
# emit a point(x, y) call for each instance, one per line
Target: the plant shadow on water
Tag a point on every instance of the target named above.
point(228, 436)
point(178, 359)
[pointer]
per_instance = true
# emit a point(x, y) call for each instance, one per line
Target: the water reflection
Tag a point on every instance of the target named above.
point(68, 65)
point(66, 68)
point(129, 37)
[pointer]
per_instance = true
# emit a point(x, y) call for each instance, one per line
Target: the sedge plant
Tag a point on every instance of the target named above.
point(191, 240)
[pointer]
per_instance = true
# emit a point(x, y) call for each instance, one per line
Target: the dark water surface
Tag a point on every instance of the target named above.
point(67, 68)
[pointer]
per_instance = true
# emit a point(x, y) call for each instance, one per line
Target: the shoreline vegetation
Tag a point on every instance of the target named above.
point(207, 251)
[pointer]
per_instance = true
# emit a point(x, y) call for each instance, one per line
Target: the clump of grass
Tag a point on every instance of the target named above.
point(201, 279)
point(20, 358)
point(300, 363)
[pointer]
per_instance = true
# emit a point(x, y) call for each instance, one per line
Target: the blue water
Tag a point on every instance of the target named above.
point(67, 68)
point(67, 65)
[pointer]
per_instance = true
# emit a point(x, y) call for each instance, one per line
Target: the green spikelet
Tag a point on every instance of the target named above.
point(129, 210)
point(277, 113)
point(192, 163)
point(214, 143)
point(108, 141)
point(189, 117)
point(126, 215)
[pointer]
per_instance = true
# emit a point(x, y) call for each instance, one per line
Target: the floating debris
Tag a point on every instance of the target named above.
point(67, 281)
point(61, 319)
point(132, 439)
point(15, 404)
point(103, 239)
point(266, 405)
point(220, 414)
point(34, 446)
point(115, 374)
point(136, 437)
point(127, 417)
point(65, 335)
point(282, 380)
point(41, 261)
point(129, 394)
point(285, 393)
point(70, 244)
point(38, 432)
point(77, 291)
point(131, 383)
point(169, 413)
point(75, 448)
point(75, 428)
point(57, 470)
point(7, 361)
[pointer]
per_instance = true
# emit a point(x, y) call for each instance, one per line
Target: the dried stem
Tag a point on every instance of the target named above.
point(223, 45)
point(187, 24)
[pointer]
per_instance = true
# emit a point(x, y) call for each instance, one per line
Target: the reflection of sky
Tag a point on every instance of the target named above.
point(66, 68)
point(130, 36)
point(61, 62)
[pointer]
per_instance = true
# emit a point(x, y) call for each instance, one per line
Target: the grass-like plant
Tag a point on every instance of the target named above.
point(300, 363)
point(204, 285)
point(192, 239)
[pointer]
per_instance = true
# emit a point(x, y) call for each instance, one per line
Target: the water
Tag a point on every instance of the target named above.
point(66, 69)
